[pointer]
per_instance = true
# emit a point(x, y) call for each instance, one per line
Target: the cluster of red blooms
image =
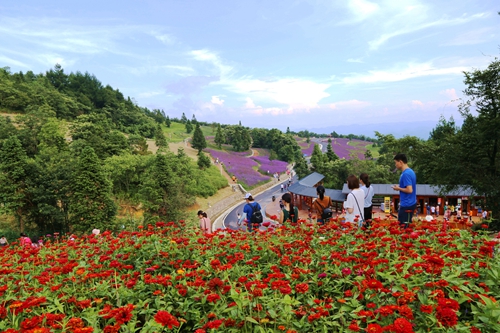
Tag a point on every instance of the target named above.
point(392, 277)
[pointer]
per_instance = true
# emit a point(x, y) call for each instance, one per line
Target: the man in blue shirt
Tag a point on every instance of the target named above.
point(407, 190)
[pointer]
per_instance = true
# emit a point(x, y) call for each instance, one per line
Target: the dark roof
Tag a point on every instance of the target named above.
point(308, 191)
point(422, 190)
point(311, 180)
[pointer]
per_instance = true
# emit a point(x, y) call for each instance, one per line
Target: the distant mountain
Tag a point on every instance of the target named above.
point(419, 129)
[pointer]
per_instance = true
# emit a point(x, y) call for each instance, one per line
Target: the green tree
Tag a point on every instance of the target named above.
point(219, 138)
point(198, 142)
point(168, 122)
point(160, 139)
point(330, 154)
point(13, 179)
point(91, 205)
point(189, 127)
point(204, 161)
point(184, 118)
point(161, 189)
point(317, 159)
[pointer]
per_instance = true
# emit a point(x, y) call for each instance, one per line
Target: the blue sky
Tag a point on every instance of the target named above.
point(352, 65)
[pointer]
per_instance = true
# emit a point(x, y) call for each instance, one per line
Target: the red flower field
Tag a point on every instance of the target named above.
point(297, 278)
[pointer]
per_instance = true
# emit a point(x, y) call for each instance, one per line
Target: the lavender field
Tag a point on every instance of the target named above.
point(344, 150)
point(239, 165)
point(270, 167)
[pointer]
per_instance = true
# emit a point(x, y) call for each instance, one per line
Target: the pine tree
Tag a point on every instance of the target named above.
point(204, 161)
point(160, 139)
point(189, 127)
point(184, 118)
point(219, 138)
point(330, 154)
point(168, 122)
point(198, 142)
point(91, 205)
point(13, 179)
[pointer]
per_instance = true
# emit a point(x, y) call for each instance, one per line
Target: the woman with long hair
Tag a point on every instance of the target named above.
point(205, 223)
point(364, 180)
point(354, 202)
point(321, 203)
point(289, 211)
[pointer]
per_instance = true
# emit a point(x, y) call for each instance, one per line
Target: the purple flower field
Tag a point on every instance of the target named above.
point(239, 165)
point(344, 150)
point(308, 151)
point(271, 166)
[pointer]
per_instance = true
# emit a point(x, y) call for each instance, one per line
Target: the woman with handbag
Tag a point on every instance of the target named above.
point(322, 205)
point(369, 192)
point(354, 201)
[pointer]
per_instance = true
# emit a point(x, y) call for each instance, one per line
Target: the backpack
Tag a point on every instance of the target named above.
point(256, 214)
point(327, 212)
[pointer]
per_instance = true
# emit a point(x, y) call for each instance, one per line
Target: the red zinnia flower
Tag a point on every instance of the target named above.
point(374, 328)
point(447, 317)
point(402, 325)
point(302, 288)
point(426, 308)
point(166, 319)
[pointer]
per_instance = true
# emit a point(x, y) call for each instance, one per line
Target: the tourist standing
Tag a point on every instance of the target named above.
point(369, 193)
point(252, 212)
point(322, 205)
point(354, 201)
point(407, 188)
point(289, 212)
point(205, 223)
point(3, 241)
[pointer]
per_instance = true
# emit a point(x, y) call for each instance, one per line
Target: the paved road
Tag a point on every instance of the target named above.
point(264, 198)
point(322, 145)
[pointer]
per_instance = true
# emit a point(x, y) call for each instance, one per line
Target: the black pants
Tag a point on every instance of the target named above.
point(405, 215)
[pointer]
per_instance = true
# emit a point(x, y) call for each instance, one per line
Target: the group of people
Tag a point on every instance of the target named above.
point(358, 205)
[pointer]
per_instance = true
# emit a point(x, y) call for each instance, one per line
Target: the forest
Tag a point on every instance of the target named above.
point(72, 149)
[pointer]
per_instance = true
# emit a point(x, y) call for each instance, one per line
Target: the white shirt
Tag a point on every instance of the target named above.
point(359, 195)
point(369, 192)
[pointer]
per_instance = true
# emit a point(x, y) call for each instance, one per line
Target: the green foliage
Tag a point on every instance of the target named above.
point(160, 139)
point(219, 137)
point(14, 175)
point(239, 137)
point(168, 122)
point(189, 127)
point(204, 161)
point(285, 146)
point(198, 142)
point(91, 203)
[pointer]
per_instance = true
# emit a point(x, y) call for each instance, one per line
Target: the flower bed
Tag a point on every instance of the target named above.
point(300, 278)
point(271, 166)
point(239, 165)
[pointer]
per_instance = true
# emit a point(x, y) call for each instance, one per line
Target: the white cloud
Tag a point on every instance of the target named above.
point(216, 100)
point(354, 103)
point(361, 10)
point(417, 103)
point(476, 36)
point(359, 60)
point(49, 60)
point(450, 93)
point(164, 38)
point(9, 61)
point(214, 59)
point(401, 73)
point(413, 21)
point(296, 93)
